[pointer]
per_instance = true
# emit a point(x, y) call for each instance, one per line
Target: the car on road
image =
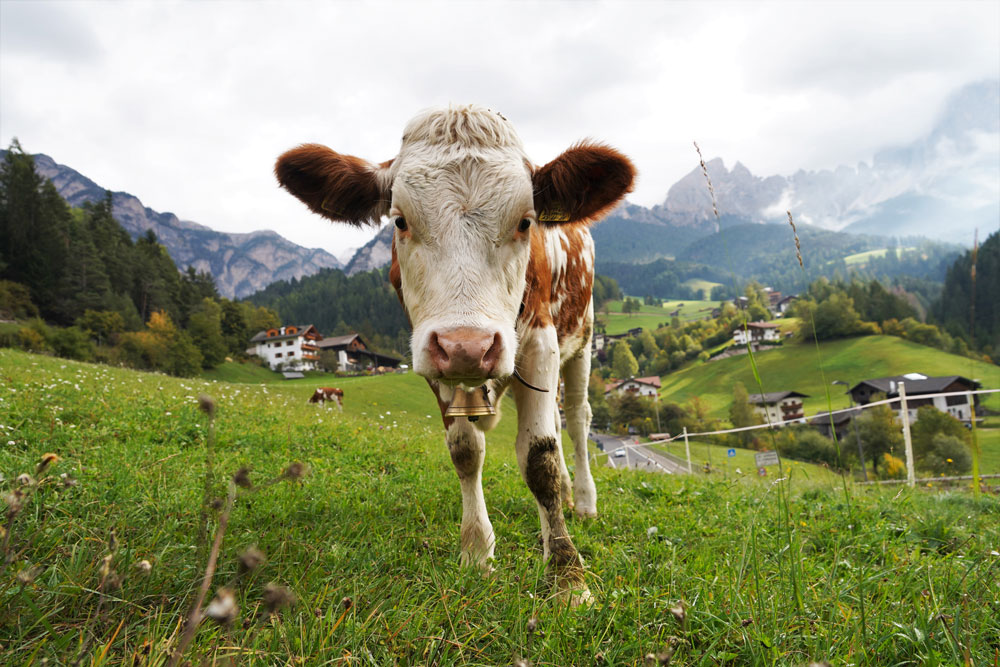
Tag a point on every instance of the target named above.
point(620, 452)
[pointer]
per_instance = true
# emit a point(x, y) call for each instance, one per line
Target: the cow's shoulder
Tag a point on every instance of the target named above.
point(559, 280)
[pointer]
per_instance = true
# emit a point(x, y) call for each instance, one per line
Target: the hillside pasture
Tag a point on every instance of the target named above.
point(715, 569)
point(651, 317)
point(796, 367)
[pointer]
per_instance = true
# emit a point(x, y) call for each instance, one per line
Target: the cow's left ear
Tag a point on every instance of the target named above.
point(583, 183)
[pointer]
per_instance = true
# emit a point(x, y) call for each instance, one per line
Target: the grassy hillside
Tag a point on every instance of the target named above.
point(795, 366)
point(367, 542)
point(651, 317)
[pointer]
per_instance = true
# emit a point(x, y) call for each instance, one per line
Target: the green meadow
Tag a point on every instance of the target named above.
point(651, 317)
point(712, 569)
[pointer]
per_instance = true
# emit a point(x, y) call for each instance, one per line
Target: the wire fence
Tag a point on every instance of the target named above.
point(904, 415)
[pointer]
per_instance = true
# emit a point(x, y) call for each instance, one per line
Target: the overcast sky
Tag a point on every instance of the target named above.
point(186, 105)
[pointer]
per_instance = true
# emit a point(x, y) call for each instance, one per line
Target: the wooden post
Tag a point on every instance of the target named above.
point(904, 414)
point(687, 450)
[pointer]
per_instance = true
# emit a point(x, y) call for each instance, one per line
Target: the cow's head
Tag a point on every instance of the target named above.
point(464, 198)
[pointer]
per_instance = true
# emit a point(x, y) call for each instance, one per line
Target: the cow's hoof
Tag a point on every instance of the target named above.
point(573, 594)
point(586, 512)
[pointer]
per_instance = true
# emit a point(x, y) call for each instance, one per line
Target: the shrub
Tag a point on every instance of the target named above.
point(948, 456)
point(892, 468)
point(71, 343)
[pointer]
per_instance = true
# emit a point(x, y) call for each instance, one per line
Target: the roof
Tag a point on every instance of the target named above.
point(300, 329)
point(762, 325)
point(652, 381)
point(839, 417)
point(775, 397)
point(341, 341)
point(916, 383)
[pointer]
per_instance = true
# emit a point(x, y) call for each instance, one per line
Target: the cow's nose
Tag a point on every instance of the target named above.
point(465, 353)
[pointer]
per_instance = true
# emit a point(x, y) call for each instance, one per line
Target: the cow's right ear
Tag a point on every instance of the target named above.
point(339, 187)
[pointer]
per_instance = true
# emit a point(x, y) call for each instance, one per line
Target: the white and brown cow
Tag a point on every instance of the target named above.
point(494, 264)
point(324, 394)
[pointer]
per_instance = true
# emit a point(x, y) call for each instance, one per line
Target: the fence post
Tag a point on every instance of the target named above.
point(687, 450)
point(904, 414)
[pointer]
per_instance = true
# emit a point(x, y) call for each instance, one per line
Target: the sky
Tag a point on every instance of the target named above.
point(186, 105)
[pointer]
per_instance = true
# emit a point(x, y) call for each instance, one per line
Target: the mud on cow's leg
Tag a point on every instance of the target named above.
point(542, 474)
point(566, 483)
point(467, 446)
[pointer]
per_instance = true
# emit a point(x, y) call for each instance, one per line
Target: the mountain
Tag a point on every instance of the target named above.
point(373, 255)
point(241, 264)
point(942, 186)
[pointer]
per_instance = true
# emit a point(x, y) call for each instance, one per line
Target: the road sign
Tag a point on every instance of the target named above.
point(731, 453)
point(766, 459)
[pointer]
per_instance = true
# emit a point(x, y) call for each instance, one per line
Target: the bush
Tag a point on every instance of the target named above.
point(34, 337)
point(892, 468)
point(948, 456)
point(71, 343)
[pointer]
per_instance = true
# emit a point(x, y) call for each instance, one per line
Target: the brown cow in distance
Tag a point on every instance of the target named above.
point(493, 263)
point(324, 394)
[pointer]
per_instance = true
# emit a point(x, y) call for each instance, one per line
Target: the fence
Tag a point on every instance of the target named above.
point(904, 418)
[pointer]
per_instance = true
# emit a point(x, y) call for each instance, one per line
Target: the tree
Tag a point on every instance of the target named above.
point(205, 328)
point(741, 413)
point(880, 433)
point(946, 455)
point(623, 362)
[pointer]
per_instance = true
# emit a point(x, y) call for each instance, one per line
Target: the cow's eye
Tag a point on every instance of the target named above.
point(523, 225)
point(401, 223)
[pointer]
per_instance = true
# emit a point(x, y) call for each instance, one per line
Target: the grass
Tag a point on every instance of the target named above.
point(793, 366)
point(702, 285)
point(651, 317)
point(368, 543)
point(742, 464)
point(860, 258)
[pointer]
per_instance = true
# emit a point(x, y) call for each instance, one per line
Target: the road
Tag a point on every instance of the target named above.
point(637, 457)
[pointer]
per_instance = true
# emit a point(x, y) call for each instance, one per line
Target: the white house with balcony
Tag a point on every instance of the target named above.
point(758, 332)
point(291, 347)
point(647, 386)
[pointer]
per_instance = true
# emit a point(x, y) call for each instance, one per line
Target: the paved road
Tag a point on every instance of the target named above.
point(639, 458)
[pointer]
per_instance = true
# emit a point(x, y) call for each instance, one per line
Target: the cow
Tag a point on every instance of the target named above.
point(493, 264)
point(324, 394)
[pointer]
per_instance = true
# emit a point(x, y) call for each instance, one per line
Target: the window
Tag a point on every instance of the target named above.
point(956, 400)
point(291, 354)
point(291, 342)
point(278, 354)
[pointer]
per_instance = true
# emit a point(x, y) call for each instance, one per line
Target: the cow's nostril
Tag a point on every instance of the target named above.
point(437, 353)
point(492, 355)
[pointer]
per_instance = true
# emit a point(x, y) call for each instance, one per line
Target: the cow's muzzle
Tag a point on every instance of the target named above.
point(465, 355)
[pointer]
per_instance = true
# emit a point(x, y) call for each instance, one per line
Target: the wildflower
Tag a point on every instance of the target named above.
point(277, 597)
point(24, 479)
point(47, 459)
point(222, 609)
point(679, 612)
point(67, 481)
point(242, 478)
point(347, 603)
point(14, 501)
point(532, 624)
point(206, 404)
point(113, 542)
point(652, 531)
point(250, 559)
point(949, 460)
point(144, 566)
point(295, 470)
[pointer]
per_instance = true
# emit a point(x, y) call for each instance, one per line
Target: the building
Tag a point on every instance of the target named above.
point(292, 347)
point(841, 422)
point(647, 386)
point(778, 406)
point(784, 304)
point(759, 332)
point(353, 353)
point(918, 389)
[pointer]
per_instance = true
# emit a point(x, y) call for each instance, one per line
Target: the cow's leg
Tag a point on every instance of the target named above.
point(539, 460)
point(576, 375)
point(565, 482)
point(467, 446)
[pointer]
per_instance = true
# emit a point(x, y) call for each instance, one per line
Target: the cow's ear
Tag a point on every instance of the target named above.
point(583, 183)
point(339, 187)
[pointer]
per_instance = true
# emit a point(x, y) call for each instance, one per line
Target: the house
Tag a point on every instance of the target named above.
point(292, 347)
point(784, 304)
point(918, 387)
point(758, 332)
point(773, 298)
point(841, 422)
point(647, 386)
point(778, 406)
point(353, 353)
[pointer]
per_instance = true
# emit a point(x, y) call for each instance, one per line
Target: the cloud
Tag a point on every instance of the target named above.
point(186, 105)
